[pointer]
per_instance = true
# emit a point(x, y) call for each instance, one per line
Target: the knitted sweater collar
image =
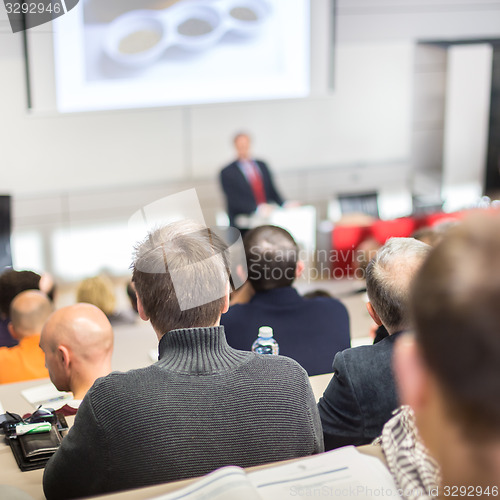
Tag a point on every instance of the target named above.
point(198, 350)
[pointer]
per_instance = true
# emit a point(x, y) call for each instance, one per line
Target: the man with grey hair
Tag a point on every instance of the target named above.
point(362, 394)
point(203, 405)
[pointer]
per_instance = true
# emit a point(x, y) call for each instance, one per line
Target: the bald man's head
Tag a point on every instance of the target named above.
point(28, 312)
point(78, 343)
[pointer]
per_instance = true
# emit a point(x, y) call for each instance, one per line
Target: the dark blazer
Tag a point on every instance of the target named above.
point(6, 339)
point(239, 194)
point(310, 331)
point(361, 395)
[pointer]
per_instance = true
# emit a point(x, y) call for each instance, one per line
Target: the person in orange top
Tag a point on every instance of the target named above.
point(28, 312)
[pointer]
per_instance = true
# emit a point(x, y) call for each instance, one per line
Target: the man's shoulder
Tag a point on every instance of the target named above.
point(235, 316)
point(318, 310)
point(278, 361)
point(281, 368)
point(10, 352)
point(117, 382)
point(262, 363)
point(229, 168)
point(326, 304)
point(358, 355)
point(255, 305)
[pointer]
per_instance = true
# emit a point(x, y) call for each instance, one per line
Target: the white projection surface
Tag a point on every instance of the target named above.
point(139, 53)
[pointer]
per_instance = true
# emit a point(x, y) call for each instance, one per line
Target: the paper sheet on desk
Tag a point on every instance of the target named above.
point(45, 395)
point(2, 411)
point(226, 483)
point(342, 473)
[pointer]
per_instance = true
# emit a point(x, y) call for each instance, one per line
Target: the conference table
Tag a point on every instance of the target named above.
point(31, 482)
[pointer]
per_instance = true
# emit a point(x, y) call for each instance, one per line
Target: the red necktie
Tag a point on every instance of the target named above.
point(256, 183)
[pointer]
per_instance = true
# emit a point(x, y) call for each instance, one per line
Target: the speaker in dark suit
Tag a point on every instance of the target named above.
point(247, 183)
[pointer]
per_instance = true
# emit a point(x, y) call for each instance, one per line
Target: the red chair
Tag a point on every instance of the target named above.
point(345, 239)
point(433, 219)
point(382, 230)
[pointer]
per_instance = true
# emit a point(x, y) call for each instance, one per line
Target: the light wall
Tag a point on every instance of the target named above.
point(92, 168)
point(467, 113)
point(364, 120)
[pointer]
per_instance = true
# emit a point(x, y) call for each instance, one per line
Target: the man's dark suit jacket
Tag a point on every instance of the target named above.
point(310, 331)
point(239, 195)
point(361, 395)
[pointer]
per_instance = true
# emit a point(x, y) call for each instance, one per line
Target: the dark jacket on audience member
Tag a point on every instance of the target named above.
point(361, 396)
point(203, 405)
point(6, 339)
point(311, 331)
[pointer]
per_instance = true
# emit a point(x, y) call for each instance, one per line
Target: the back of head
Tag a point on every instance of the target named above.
point(272, 257)
point(14, 282)
point(428, 235)
point(78, 344)
point(181, 276)
point(84, 328)
point(388, 280)
point(28, 312)
point(98, 291)
point(132, 295)
point(455, 302)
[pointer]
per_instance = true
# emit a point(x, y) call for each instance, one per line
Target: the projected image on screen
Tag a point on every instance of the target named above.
point(112, 54)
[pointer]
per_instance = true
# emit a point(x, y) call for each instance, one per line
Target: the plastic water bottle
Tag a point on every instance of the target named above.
point(265, 343)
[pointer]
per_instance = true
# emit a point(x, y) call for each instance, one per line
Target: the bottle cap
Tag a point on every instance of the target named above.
point(265, 332)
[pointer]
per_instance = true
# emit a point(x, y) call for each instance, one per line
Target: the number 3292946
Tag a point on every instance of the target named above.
point(470, 491)
point(33, 8)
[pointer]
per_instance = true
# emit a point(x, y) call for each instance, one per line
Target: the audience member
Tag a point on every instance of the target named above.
point(313, 294)
point(362, 394)
point(364, 253)
point(311, 331)
point(78, 344)
point(379, 333)
point(28, 312)
point(414, 471)
point(247, 183)
point(433, 235)
point(203, 404)
point(449, 373)
point(11, 283)
point(427, 235)
point(132, 296)
point(100, 292)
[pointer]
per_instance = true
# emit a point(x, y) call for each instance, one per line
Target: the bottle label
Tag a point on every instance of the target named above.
point(265, 347)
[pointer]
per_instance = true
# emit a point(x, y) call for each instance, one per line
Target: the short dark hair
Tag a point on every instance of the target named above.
point(456, 307)
point(180, 272)
point(272, 256)
point(14, 282)
point(388, 280)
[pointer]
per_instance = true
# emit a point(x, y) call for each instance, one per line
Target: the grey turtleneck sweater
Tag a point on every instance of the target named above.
point(203, 405)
